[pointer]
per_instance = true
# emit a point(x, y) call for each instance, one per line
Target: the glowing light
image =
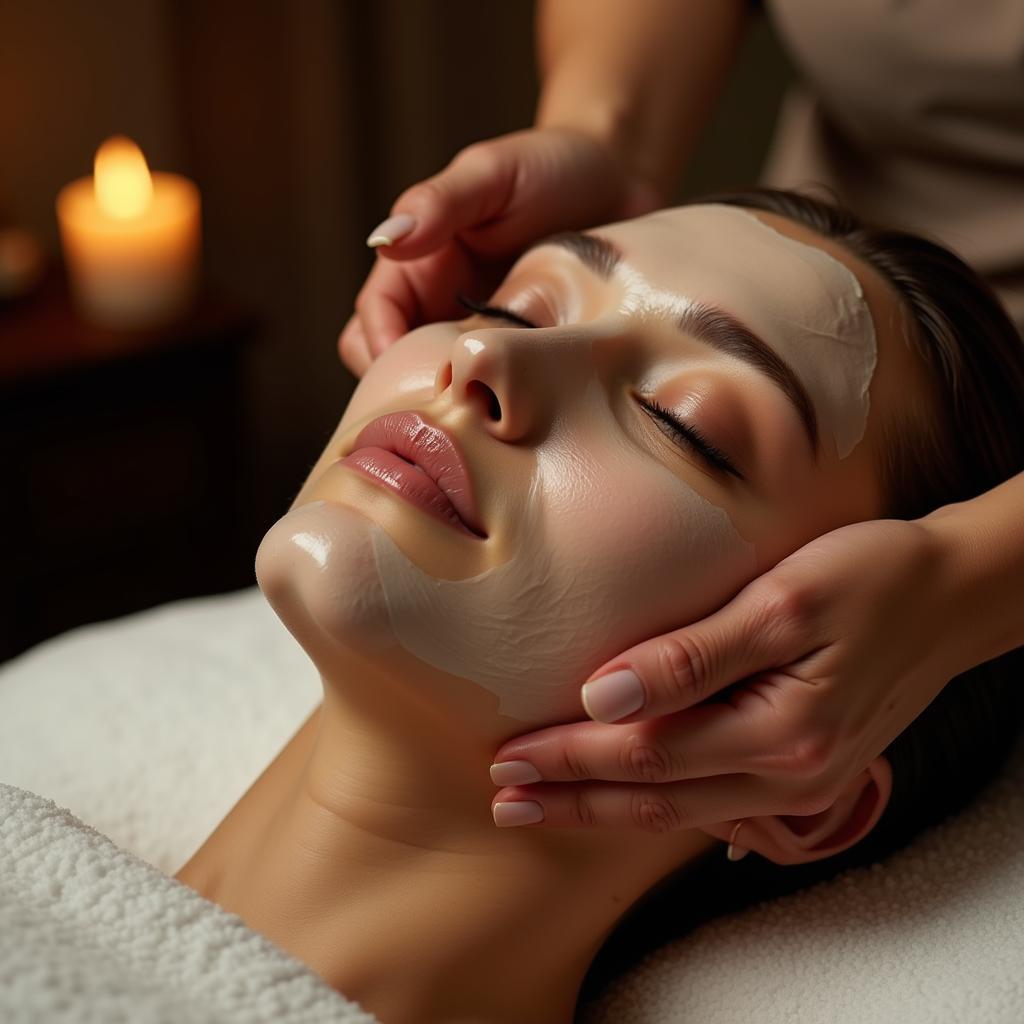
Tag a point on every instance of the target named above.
point(124, 188)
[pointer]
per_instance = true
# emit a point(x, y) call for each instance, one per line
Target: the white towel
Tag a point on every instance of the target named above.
point(151, 727)
point(90, 933)
point(933, 935)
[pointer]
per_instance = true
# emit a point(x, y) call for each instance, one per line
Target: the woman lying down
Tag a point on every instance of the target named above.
point(640, 421)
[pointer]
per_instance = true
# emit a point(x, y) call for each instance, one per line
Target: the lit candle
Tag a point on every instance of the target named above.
point(130, 239)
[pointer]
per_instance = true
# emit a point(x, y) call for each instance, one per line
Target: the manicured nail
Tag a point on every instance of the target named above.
point(613, 696)
point(736, 852)
point(389, 231)
point(509, 813)
point(514, 773)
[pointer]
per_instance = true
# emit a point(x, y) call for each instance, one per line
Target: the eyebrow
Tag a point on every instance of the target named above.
point(707, 323)
point(595, 253)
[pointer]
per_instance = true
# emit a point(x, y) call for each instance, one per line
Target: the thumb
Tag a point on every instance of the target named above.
point(472, 189)
point(682, 668)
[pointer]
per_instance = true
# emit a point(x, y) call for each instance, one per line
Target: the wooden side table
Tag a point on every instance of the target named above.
point(124, 474)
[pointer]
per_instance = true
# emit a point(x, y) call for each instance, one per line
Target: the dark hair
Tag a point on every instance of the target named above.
point(974, 360)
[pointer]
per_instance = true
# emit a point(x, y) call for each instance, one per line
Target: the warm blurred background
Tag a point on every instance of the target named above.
point(143, 466)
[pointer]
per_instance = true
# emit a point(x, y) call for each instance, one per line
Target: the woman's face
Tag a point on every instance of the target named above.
point(778, 354)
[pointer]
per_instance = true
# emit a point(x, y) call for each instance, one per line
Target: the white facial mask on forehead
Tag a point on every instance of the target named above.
point(807, 306)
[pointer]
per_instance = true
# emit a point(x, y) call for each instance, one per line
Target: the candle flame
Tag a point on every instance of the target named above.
point(122, 182)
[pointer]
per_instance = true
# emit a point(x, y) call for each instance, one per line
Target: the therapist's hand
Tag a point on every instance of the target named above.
point(460, 231)
point(834, 652)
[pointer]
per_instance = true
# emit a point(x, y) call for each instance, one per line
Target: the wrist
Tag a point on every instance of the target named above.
point(612, 125)
point(968, 593)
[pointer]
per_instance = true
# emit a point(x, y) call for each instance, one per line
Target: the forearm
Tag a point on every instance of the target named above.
point(642, 75)
point(984, 539)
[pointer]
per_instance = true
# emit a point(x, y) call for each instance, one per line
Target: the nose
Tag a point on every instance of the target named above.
point(512, 379)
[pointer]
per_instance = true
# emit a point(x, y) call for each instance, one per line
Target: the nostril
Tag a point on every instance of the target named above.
point(443, 380)
point(478, 390)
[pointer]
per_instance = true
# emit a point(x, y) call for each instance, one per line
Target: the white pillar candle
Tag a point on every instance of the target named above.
point(130, 239)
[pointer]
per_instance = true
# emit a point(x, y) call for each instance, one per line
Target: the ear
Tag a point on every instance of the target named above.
point(799, 839)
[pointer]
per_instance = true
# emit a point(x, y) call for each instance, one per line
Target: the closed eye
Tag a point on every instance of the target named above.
point(497, 312)
point(683, 434)
point(687, 436)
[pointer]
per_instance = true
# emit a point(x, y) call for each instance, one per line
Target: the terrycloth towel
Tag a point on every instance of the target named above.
point(89, 933)
point(150, 728)
point(933, 935)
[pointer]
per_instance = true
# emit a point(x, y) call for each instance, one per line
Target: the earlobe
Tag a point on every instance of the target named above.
point(800, 839)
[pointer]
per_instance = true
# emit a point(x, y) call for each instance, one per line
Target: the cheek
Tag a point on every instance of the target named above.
point(639, 551)
point(405, 371)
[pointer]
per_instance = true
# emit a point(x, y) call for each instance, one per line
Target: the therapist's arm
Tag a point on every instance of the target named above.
point(985, 538)
point(643, 76)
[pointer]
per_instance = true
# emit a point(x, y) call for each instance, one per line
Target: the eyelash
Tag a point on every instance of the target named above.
point(689, 435)
point(494, 311)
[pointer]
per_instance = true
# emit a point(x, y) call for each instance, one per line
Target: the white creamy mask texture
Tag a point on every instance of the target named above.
point(612, 548)
point(806, 305)
point(609, 545)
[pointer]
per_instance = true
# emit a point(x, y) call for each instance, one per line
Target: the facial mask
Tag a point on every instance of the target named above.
point(531, 631)
point(612, 548)
point(806, 305)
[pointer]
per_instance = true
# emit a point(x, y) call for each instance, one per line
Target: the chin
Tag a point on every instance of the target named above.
point(316, 568)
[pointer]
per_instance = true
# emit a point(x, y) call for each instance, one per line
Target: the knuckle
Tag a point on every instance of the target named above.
point(655, 813)
point(643, 759)
point(574, 765)
point(683, 669)
point(808, 756)
point(786, 605)
point(814, 752)
point(480, 157)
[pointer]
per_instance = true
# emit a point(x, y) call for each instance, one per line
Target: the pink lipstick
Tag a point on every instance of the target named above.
point(423, 463)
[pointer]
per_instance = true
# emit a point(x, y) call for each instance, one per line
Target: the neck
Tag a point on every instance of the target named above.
point(368, 851)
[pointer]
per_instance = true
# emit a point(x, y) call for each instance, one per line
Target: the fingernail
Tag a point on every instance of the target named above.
point(389, 231)
point(736, 852)
point(517, 812)
point(514, 773)
point(613, 696)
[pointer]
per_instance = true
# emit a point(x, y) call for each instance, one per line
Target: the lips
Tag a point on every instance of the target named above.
point(437, 478)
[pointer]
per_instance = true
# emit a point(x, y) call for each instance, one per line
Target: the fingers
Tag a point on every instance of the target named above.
point(422, 223)
point(753, 632)
point(483, 208)
point(387, 307)
point(472, 189)
point(353, 348)
point(712, 739)
point(667, 808)
point(398, 297)
point(773, 726)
